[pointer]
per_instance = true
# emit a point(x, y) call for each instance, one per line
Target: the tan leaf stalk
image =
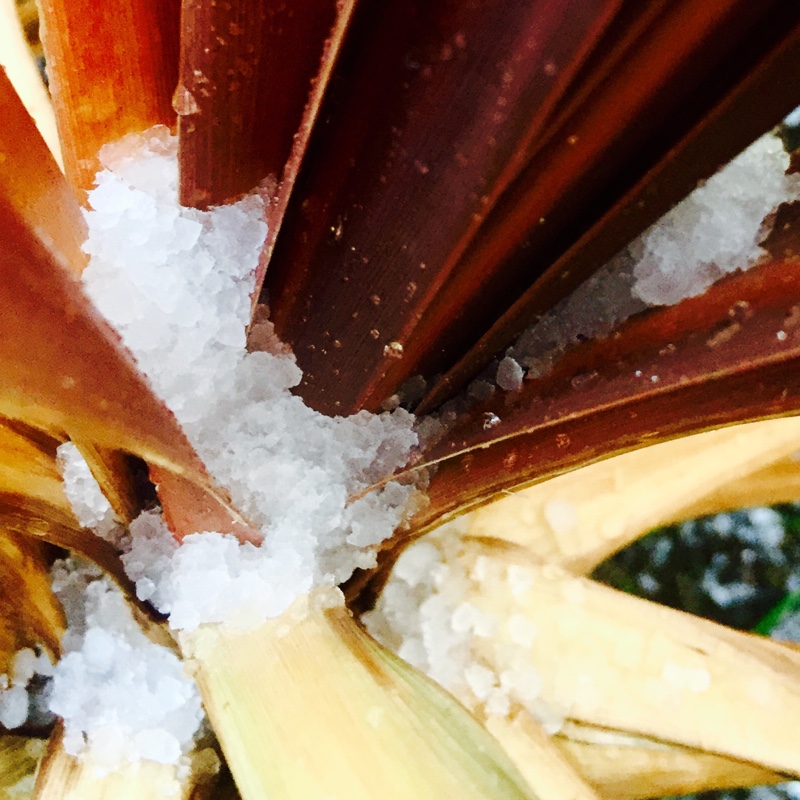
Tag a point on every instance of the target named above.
point(612, 660)
point(19, 757)
point(28, 468)
point(33, 504)
point(29, 612)
point(17, 59)
point(64, 777)
point(111, 470)
point(112, 71)
point(579, 519)
point(309, 706)
point(635, 768)
point(544, 765)
point(777, 483)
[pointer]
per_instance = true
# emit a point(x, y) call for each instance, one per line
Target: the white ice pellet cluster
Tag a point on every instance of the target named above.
point(89, 504)
point(717, 229)
point(176, 283)
point(509, 374)
point(15, 697)
point(592, 311)
point(424, 614)
point(121, 696)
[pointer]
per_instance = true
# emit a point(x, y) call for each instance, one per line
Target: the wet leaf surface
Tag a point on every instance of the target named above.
point(112, 69)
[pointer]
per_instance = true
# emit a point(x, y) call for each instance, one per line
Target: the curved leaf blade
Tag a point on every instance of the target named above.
point(725, 357)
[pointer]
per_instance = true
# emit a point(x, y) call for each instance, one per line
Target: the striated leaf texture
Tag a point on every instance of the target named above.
point(756, 93)
point(246, 77)
point(64, 368)
point(452, 130)
point(379, 728)
point(430, 115)
point(726, 356)
point(113, 68)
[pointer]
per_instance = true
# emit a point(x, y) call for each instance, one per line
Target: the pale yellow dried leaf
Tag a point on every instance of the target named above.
point(615, 661)
point(543, 765)
point(17, 59)
point(635, 768)
point(28, 468)
point(776, 483)
point(577, 520)
point(308, 706)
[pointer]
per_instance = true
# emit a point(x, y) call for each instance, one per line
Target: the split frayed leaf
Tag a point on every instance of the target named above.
point(113, 472)
point(33, 504)
point(28, 466)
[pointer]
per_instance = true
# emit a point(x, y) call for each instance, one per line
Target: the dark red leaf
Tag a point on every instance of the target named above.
point(431, 115)
point(731, 355)
point(251, 78)
point(769, 90)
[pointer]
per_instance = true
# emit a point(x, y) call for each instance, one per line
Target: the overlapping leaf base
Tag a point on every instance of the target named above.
point(436, 174)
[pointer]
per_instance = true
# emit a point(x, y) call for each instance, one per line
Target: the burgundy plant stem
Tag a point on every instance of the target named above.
point(728, 356)
point(251, 77)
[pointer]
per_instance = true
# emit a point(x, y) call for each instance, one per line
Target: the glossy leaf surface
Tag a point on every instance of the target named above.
point(724, 357)
point(247, 73)
point(752, 102)
point(113, 68)
point(64, 368)
point(423, 225)
point(434, 106)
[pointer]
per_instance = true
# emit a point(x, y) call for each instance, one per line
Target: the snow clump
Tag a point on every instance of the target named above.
point(122, 697)
point(176, 283)
point(425, 615)
point(89, 504)
point(717, 229)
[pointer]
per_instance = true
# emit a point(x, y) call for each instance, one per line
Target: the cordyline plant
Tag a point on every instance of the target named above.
point(440, 173)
